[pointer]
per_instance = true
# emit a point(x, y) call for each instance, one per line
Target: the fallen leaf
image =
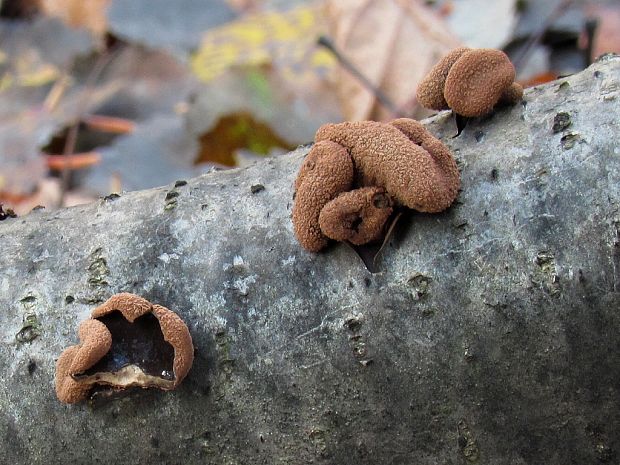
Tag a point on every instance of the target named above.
point(393, 43)
point(237, 131)
point(175, 25)
point(270, 100)
point(492, 29)
point(286, 40)
point(159, 151)
point(607, 37)
point(88, 14)
point(145, 82)
point(267, 65)
point(371, 253)
point(36, 53)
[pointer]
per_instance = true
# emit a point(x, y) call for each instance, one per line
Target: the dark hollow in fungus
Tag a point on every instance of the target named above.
point(140, 343)
point(357, 216)
point(471, 82)
point(127, 342)
point(387, 164)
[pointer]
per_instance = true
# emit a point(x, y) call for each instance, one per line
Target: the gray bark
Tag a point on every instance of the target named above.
point(490, 335)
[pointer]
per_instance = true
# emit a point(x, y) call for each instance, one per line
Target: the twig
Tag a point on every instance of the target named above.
point(381, 97)
point(590, 27)
point(103, 60)
point(536, 37)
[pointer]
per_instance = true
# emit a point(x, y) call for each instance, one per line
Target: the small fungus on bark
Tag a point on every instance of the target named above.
point(471, 82)
point(356, 216)
point(127, 342)
point(358, 171)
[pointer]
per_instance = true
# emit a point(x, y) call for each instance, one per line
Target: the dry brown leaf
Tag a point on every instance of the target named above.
point(393, 43)
point(90, 14)
point(47, 195)
point(608, 33)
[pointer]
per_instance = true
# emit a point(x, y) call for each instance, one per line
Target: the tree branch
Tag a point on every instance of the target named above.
point(490, 336)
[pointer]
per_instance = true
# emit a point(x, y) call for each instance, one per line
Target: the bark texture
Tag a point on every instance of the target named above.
point(491, 335)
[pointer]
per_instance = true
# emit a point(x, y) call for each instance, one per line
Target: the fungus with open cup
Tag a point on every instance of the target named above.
point(127, 342)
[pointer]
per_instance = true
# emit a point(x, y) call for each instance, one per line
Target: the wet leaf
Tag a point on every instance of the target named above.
point(143, 83)
point(158, 152)
point(492, 29)
point(267, 65)
point(238, 131)
point(291, 116)
point(35, 53)
point(173, 25)
point(393, 43)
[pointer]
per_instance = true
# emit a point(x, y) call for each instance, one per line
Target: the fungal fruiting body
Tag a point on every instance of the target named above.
point(127, 342)
point(471, 82)
point(357, 172)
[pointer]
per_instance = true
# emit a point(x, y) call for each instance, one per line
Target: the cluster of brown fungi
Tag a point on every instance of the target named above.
point(357, 172)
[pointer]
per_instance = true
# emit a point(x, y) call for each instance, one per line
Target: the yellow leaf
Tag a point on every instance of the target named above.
point(287, 38)
point(40, 76)
point(6, 81)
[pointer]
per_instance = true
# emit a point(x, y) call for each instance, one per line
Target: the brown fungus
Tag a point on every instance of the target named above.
point(430, 89)
point(127, 342)
point(357, 216)
point(326, 172)
point(471, 82)
point(402, 160)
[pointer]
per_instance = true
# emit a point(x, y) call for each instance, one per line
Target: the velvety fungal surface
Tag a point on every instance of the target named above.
point(430, 89)
point(357, 216)
point(471, 82)
point(408, 164)
point(477, 80)
point(326, 172)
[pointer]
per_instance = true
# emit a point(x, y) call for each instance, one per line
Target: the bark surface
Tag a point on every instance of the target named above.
point(490, 335)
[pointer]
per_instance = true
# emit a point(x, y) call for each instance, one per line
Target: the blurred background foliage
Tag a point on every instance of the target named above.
point(101, 96)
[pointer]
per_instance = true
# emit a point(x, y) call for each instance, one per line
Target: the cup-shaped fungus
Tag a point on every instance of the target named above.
point(386, 164)
point(127, 342)
point(356, 216)
point(471, 82)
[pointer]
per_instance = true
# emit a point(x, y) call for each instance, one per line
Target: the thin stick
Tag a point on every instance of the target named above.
point(72, 134)
point(382, 98)
point(590, 27)
point(535, 38)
